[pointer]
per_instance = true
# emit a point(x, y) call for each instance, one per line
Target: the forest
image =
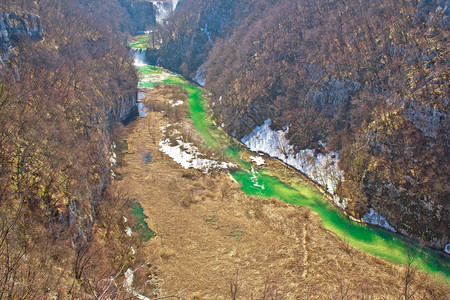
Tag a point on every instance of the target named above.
point(65, 85)
point(366, 78)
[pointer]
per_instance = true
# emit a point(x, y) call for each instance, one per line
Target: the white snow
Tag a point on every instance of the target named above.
point(447, 248)
point(258, 160)
point(322, 168)
point(156, 77)
point(128, 231)
point(129, 277)
point(188, 156)
point(128, 283)
point(373, 217)
point(176, 103)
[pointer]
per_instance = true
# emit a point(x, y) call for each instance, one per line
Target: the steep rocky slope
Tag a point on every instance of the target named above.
point(66, 83)
point(14, 27)
point(365, 79)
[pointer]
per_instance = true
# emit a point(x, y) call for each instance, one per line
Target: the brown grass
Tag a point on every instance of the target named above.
point(207, 231)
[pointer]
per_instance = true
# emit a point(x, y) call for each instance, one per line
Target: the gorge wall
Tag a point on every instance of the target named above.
point(364, 80)
point(66, 83)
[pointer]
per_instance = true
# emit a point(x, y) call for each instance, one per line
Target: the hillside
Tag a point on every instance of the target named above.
point(364, 82)
point(66, 81)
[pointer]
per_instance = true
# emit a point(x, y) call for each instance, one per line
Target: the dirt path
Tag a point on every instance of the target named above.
point(211, 237)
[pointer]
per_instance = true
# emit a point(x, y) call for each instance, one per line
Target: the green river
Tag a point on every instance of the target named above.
point(260, 183)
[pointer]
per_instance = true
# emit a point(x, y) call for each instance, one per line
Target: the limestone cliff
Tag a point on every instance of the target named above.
point(14, 27)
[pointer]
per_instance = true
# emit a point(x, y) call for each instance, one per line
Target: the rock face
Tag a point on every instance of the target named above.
point(14, 27)
point(164, 8)
point(142, 13)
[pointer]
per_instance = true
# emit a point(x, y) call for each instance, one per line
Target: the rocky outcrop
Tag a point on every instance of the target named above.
point(142, 13)
point(164, 8)
point(15, 27)
point(430, 120)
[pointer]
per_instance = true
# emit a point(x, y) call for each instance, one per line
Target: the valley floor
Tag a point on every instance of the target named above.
point(214, 242)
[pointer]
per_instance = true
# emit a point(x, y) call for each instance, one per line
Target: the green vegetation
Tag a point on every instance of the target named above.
point(138, 45)
point(145, 233)
point(140, 42)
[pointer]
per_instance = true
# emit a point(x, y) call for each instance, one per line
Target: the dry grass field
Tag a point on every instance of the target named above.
point(214, 242)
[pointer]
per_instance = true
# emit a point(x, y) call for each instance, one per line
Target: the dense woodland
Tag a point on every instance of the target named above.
point(61, 233)
point(359, 75)
point(369, 78)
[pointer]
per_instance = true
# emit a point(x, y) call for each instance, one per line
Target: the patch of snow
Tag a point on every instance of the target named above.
point(176, 103)
point(125, 219)
point(155, 77)
point(373, 217)
point(322, 168)
point(188, 156)
point(129, 277)
point(128, 231)
point(258, 160)
point(128, 284)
